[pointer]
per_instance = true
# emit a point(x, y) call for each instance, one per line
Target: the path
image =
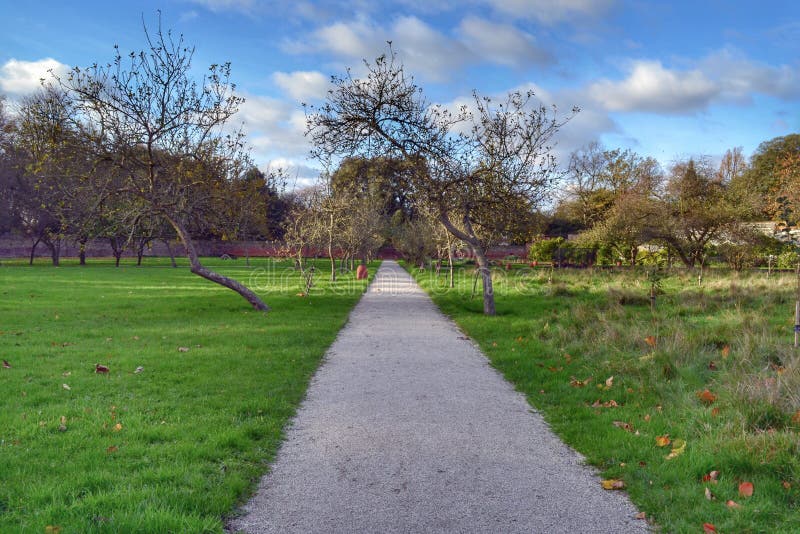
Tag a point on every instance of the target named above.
point(406, 428)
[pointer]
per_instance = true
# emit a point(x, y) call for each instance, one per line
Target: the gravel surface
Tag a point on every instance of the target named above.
point(406, 428)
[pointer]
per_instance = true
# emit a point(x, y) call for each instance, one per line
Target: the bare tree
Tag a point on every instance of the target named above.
point(162, 131)
point(501, 151)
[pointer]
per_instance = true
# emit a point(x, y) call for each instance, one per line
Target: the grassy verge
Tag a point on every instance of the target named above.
point(711, 367)
point(191, 412)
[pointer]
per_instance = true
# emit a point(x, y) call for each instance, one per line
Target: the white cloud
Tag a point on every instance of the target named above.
point(422, 48)
point(551, 11)
point(740, 77)
point(303, 86)
point(24, 77)
point(651, 87)
point(500, 43)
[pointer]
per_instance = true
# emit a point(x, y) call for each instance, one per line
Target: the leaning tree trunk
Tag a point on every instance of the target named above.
point(33, 249)
point(197, 268)
point(171, 254)
point(480, 255)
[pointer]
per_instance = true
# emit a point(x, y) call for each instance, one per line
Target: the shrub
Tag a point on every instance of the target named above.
point(544, 249)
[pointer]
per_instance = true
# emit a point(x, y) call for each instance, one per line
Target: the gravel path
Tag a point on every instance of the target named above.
point(406, 428)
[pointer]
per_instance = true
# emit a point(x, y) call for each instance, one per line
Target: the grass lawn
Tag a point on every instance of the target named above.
point(177, 445)
point(710, 375)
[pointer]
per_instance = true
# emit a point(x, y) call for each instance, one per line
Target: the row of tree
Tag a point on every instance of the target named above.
point(138, 149)
point(618, 201)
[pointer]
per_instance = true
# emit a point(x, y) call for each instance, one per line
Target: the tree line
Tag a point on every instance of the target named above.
point(139, 149)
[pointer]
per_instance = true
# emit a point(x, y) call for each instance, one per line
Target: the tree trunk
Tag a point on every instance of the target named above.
point(55, 249)
point(486, 276)
point(171, 254)
point(483, 263)
point(33, 249)
point(451, 283)
point(82, 252)
point(116, 250)
point(197, 268)
point(333, 264)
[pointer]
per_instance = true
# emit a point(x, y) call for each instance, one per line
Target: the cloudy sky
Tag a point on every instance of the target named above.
point(667, 79)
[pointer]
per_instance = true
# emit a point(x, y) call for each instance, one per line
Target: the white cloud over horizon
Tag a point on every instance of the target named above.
point(302, 86)
point(19, 78)
point(650, 87)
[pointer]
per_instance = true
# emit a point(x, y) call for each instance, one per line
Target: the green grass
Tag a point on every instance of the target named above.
point(173, 448)
point(585, 325)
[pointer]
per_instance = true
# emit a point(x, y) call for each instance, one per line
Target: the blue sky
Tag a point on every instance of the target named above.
point(666, 79)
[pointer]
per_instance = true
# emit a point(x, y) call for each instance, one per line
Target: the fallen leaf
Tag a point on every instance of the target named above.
point(726, 351)
point(136, 338)
point(786, 485)
point(65, 386)
point(574, 382)
point(714, 412)
point(678, 446)
point(139, 370)
point(183, 349)
point(746, 489)
point(796, 417)
point(640, 515)
point(66, 373)
point(732, 504)
point(712, 366)
point(709, 528)
point(623, 425)
point(650, 340)
point(101, 368)
point(663, 441)
point(63, 426)
point(613, 484)
point(111, 449)
point(609, 382)
point(6, 365)
point(647, 418)
point(706, 397)
point(52, 529)
point(568, 358)
point(709, 496)
point(117, 427)
point(711, 477)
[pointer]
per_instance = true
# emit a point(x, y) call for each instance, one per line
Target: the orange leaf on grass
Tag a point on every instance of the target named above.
point(732, 504)
point(726, 351)
point(746, 489)
point(709, 528)
point(650, 340)
point(663, 441)
point(711, 477)
point(706, 397)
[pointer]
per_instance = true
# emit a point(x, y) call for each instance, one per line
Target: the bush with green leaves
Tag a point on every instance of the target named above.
point(544, 249)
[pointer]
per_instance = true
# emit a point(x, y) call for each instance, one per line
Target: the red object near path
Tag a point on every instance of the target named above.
point(361, 272)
